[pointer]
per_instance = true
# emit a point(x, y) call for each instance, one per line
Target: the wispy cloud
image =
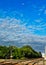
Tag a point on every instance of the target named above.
point(12, 30)
point(15, 29)
point(38, 20)
point(44, 11)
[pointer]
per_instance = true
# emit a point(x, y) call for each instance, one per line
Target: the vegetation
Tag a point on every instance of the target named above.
point(18, 53)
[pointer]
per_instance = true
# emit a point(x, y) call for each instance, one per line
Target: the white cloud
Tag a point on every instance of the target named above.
point(45, 12)
point(38, 20)
point(12, 29)
point(34, 27)
point(41, 9)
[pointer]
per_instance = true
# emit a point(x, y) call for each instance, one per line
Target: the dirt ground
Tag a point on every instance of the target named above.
point(22, 62)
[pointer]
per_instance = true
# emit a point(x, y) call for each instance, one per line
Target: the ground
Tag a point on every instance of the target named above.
point(39, 61)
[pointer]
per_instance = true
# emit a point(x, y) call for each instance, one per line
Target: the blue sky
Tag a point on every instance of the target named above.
point(23, 20)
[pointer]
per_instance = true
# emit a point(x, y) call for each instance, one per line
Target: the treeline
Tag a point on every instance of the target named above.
point(18, 52)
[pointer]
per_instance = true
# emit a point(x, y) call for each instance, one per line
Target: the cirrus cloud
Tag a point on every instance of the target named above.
point(13, 30)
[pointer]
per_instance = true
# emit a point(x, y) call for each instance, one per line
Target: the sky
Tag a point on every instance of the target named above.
point(23, 21)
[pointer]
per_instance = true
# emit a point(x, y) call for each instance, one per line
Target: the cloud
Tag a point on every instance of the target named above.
point(14, 29)
point(40, 26)
point(35, 28)
point(44, 11)
point(41, 10)
point(38, 20)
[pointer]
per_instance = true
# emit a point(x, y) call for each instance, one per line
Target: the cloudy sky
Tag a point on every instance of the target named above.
point(23, 21)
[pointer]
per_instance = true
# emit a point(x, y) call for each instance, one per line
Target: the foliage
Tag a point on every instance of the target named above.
point(19, 53)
